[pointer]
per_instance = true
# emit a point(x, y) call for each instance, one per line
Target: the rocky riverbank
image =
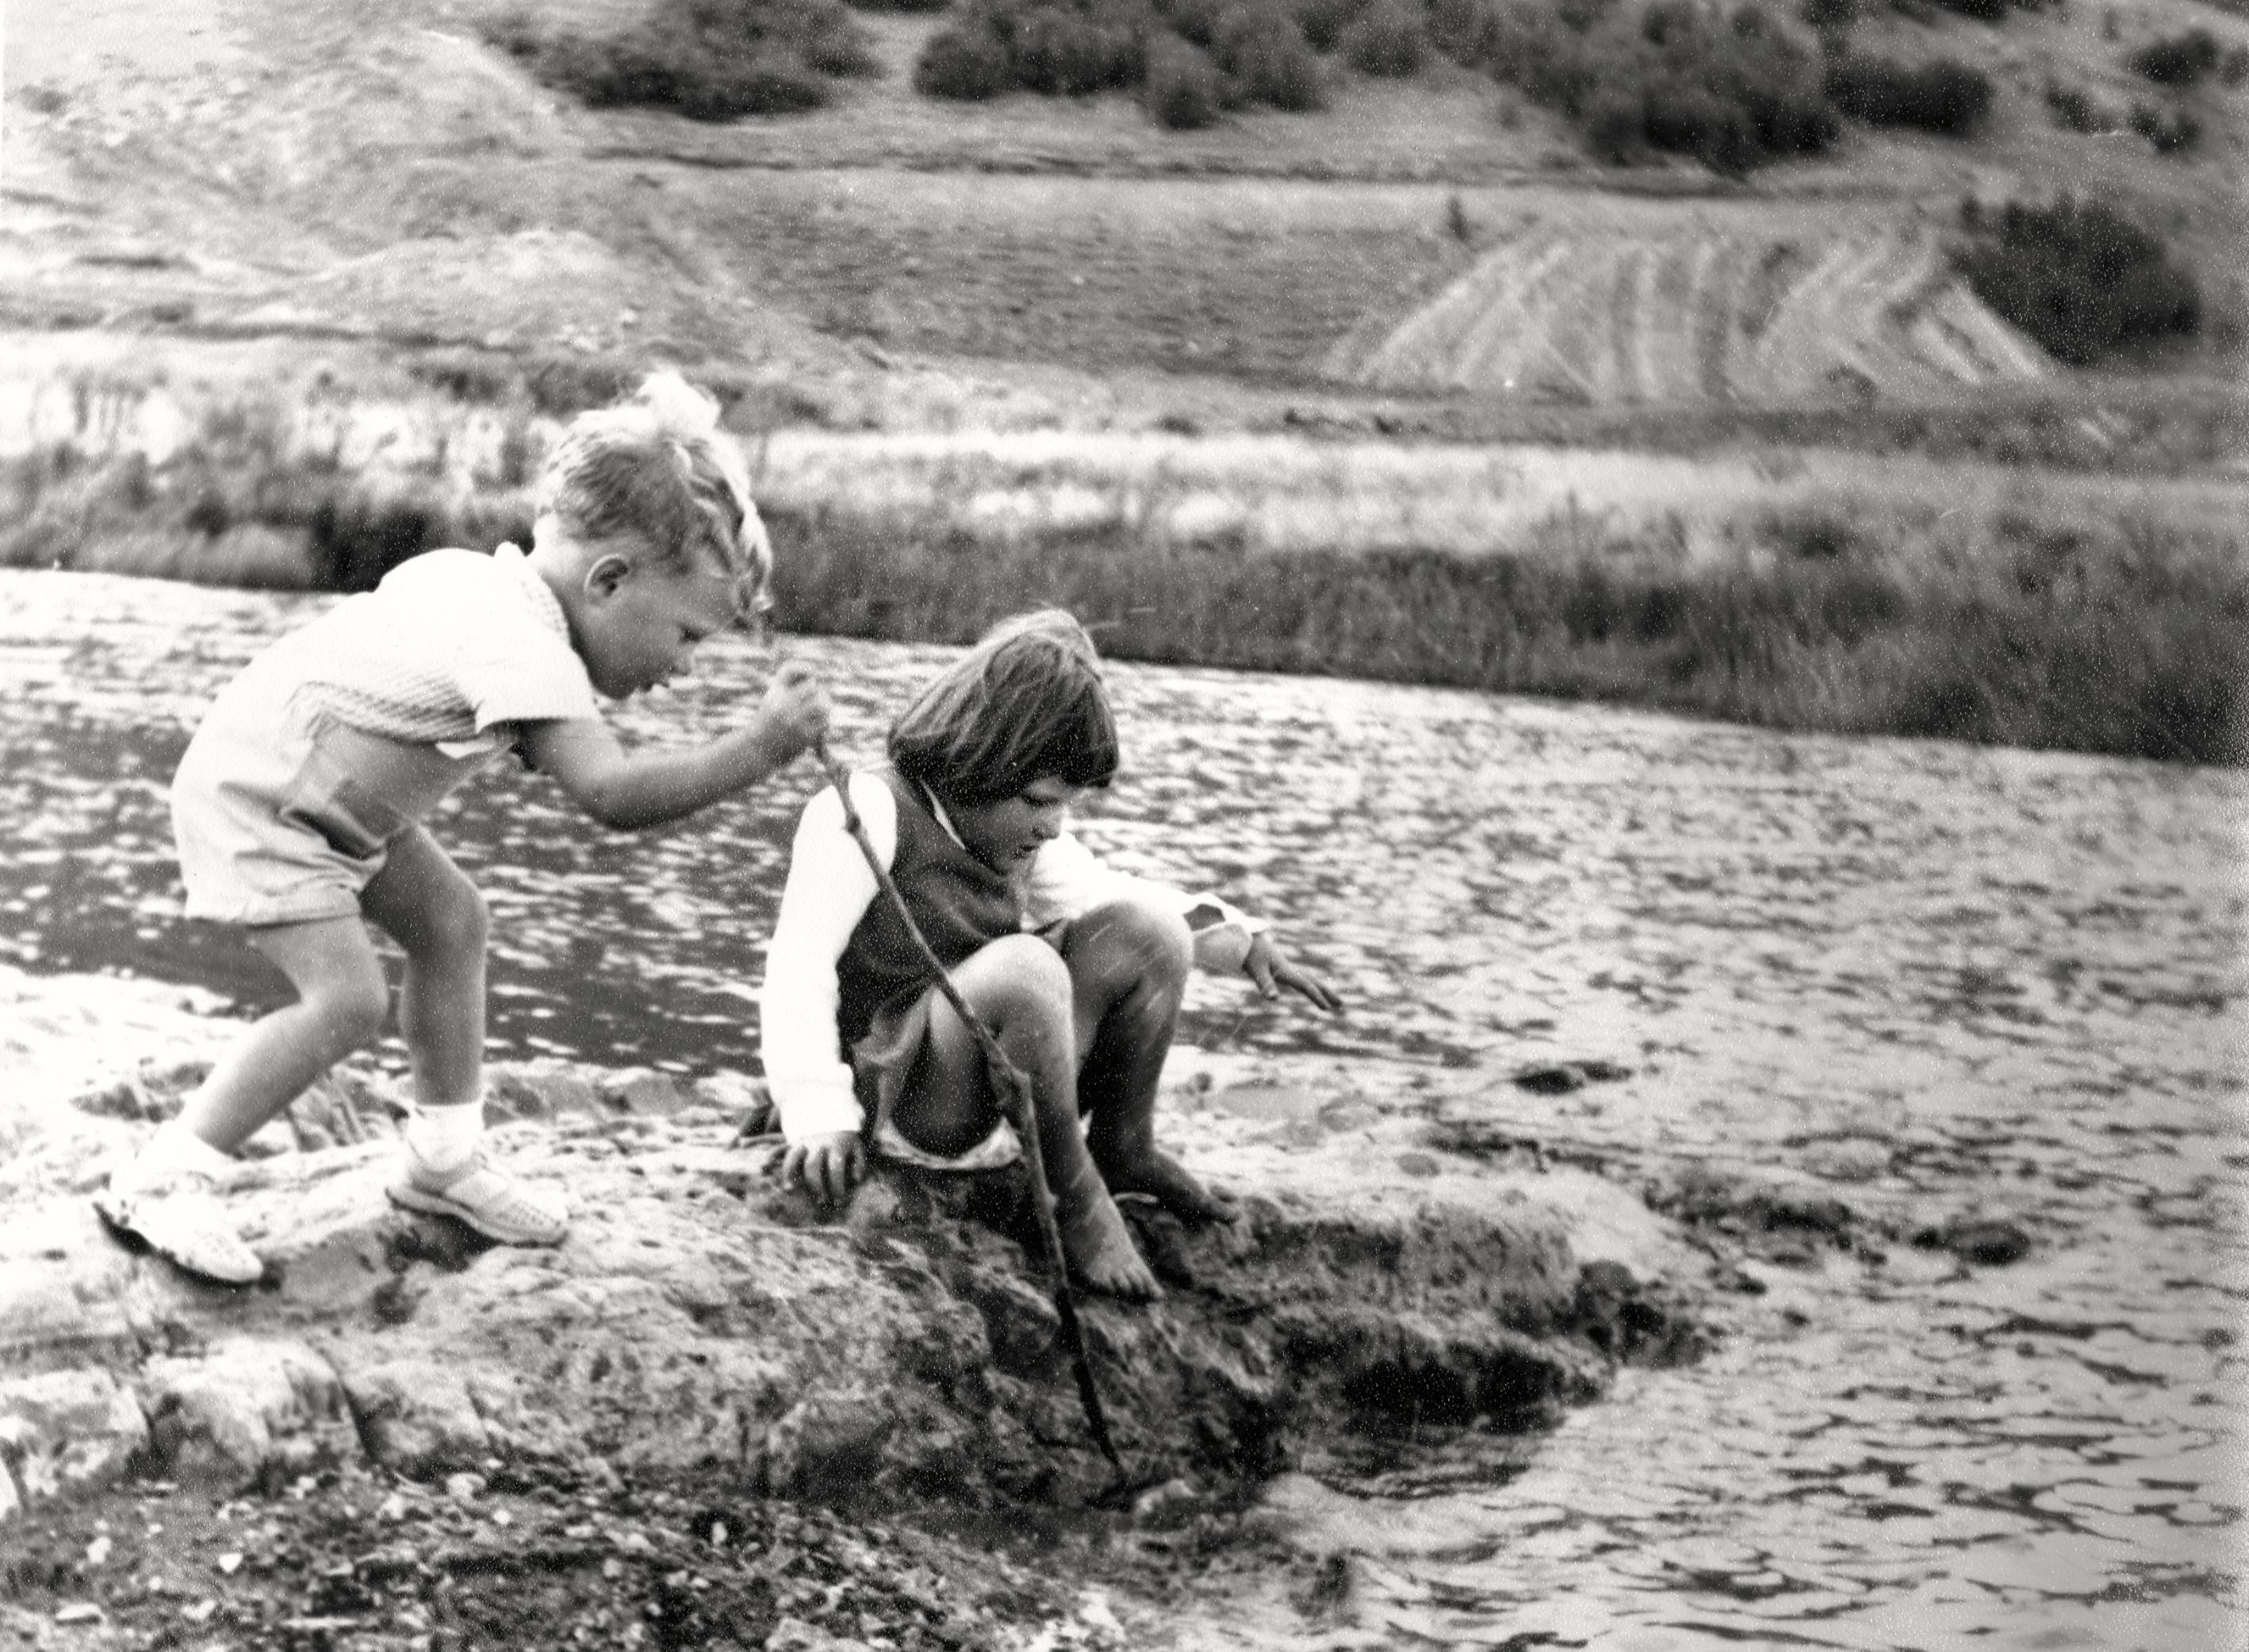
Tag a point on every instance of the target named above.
point(708, 1350)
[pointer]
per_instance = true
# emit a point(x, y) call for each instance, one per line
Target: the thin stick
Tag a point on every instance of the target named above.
point(1015, 1090)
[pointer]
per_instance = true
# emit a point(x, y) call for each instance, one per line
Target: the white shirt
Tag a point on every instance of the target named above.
point(829, 888)
point(451, 649)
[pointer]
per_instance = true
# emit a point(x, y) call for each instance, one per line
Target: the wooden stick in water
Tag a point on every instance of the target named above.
point(1014, 1092)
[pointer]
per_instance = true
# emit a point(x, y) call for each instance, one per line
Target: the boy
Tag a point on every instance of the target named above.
point(297, 809)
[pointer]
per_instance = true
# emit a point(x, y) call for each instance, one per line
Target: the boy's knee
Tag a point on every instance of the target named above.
point(463, 923)
point(355, 1007)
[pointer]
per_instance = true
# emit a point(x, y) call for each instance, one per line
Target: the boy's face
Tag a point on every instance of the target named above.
point(640, 623)
point(1005, 835)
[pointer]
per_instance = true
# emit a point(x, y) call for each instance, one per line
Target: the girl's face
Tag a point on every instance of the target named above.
point(1005, 835)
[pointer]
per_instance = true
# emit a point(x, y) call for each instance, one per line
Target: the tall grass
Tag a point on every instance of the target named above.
point(1794, 589)
point(2136, 643)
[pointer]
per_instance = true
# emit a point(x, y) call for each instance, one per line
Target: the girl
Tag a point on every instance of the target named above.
point(1079, 970)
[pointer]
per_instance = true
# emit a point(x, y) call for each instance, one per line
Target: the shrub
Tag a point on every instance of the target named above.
point(1260, 48)
point(1182, 86)
point(1324, 21)
point(1944, 95)
point(1051, 49)
point(2176, 61)
point(1195, 21)
point(2078, 109)
point(1385, 39)
point(965, 61)
point(1464, 30)
point(2171, 131)
point(1732, 88)
point(705, 60)
point(2079, 278)
point(1981, 11)
point(1829, 15)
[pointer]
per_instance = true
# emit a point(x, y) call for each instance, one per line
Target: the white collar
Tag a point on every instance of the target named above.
point(937, 810)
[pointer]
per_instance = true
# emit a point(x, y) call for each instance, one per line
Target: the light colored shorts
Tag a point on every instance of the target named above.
point(273, 823)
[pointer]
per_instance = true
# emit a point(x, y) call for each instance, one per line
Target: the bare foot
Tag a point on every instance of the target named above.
point(1167, 1182)
point(1100, 1250)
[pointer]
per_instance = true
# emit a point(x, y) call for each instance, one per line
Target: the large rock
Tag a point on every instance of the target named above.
point(701, 1316)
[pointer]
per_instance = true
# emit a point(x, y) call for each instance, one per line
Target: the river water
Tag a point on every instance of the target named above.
point(1921, 981)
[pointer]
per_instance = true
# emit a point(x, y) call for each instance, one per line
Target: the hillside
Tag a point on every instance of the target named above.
point(231, 171)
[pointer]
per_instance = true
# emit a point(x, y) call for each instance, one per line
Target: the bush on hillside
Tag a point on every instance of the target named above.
point(2075, 107)
point(2079, 278)
point(1828, 15)
point(1324, 21)
point(1058, 49)
point(965, 61)
point(1194, 21)
point(2172, 131)
point(1182, 90)
point(1265, 57)
point(1385, 39)
point(2182, 59)
point(1993, 11)
point(705, 59)
point(1247, 52)
point(1734, 89)
point(1942, 96)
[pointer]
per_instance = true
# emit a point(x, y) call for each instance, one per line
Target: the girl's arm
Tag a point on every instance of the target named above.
point(629, 790)
point(828, 891)
point(1067, 880)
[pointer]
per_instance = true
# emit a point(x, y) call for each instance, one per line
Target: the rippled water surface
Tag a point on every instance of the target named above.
point(1923, 980)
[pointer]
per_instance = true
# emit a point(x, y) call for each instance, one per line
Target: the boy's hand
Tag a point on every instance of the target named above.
point(795, 710)
point(1270, 968)
point(828, 1165)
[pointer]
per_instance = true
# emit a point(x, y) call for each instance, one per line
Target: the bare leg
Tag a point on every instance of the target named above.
point(1128, 966)
point(1020, 988)
point(341, 1003)
point(430, 909)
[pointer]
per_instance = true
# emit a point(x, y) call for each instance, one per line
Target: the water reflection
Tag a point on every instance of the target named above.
point(1921, 981)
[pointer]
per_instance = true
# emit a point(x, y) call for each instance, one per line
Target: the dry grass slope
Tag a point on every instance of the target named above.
point(1740, 314)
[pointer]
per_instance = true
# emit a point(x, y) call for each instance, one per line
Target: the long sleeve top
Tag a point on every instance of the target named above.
point(830, 889)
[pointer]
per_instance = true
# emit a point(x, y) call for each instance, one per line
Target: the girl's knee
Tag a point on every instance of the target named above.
point(1138, 939)
point(1017, 976)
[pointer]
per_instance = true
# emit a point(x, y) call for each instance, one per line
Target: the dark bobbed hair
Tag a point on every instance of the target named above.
point(1026, 704)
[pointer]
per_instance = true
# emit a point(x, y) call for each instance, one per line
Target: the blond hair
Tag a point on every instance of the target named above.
point(657, 464)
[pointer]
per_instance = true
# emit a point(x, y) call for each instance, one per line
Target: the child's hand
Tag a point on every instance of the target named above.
point(796, 711)
point(828, 1165)
point(1270, 968)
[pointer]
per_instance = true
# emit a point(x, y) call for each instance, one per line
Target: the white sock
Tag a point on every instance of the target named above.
point(174, 1150)
point(444, 1139)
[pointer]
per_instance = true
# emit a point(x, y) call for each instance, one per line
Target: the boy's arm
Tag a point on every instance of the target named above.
point(629, 790)
point(829, 890)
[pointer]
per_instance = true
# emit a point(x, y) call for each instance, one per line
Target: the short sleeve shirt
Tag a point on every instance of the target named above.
point(451, 649)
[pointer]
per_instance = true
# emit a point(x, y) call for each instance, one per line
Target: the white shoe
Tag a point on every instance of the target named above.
point(497, 1205)
point(179, 1217)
